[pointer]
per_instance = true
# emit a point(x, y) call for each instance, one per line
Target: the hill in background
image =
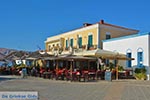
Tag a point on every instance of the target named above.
point(10, 54)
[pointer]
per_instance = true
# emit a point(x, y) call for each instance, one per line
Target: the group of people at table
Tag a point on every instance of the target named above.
point(75, 74)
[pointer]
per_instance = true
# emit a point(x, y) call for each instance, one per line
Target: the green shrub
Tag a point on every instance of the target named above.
point(140, 70)
point(120, 68)
point(137, 70)
point(140, 73)
point(143, 70)
point(111, 66)
point(140, 76)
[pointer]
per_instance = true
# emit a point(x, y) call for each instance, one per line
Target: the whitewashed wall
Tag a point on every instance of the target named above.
point(149, 50)
point(131, 43)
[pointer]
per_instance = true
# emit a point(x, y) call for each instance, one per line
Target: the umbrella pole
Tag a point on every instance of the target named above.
point(88, 65)
point(71, 66)
point(117, 70)
point(56, 66)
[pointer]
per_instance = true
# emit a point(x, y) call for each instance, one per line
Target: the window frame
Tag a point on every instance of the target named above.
point(80, 42)
point(90, 40)
point(66, 43)
point(129, 62)
point(140, 59)
point(71, 42)
point(108, 35)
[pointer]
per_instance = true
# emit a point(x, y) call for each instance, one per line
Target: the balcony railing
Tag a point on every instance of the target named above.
point(67, 48)
point(83, 47)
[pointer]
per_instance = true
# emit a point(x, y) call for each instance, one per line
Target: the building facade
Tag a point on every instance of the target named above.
point(134, 46)
point(88, 37)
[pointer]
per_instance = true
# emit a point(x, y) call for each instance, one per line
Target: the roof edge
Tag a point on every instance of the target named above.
point(128, 36)
point(116, 26)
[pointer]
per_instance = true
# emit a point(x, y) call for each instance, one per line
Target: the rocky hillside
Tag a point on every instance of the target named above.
point(10, 54)
point(4, 52)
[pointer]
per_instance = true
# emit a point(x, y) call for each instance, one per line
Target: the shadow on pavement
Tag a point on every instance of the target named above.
point(6, 78)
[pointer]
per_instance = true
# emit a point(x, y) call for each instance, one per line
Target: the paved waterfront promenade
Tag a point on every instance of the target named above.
point(63, 90)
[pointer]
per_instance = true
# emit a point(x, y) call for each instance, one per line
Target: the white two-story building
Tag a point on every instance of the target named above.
point(135, 46)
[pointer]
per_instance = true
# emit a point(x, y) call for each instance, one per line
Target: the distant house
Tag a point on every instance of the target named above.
point(18, 57)
point(18, 62)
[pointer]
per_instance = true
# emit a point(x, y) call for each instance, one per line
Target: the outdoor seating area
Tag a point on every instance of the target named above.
point(80, 66)
point(76, 69)
point(76, 76)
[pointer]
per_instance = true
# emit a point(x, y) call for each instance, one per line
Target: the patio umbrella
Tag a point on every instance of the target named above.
point(106, 55)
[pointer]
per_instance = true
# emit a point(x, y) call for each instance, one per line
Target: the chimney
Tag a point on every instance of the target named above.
point(86, 24)
point(102, 21)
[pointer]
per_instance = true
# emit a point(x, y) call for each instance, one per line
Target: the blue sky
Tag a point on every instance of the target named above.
point(25, 24)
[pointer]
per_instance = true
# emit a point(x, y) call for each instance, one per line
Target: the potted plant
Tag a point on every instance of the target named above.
point(111, 66)
point(83, 46)
point(120, 68)
point(140, 73)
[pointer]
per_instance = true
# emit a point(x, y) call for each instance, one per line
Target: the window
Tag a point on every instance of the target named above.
point(128, 63)
point(140, 59)
point(71, 42)
point(108, 35)
point(90, 41)
point(47, 63)
point(49, 47)
point(107, 62)
point(29, 62)
point(66, 43)
point(115, 62)
point(80, 42)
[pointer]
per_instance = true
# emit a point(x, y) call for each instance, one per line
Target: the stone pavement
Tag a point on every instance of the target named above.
point(63, 90)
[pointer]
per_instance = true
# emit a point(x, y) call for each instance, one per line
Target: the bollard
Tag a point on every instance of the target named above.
point(22, 74)
point(148, 77)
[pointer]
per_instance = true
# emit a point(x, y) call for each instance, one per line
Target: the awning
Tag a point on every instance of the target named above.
point(31, 58)
point(74, 57)
point(104, 54)
point(50, 58)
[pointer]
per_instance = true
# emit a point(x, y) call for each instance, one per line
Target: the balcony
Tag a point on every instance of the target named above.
point(54, 49)
point(92, 47)
point(83, 47)
point(66, 48)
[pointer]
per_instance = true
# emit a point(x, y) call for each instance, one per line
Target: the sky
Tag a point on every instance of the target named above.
point(26, 24)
